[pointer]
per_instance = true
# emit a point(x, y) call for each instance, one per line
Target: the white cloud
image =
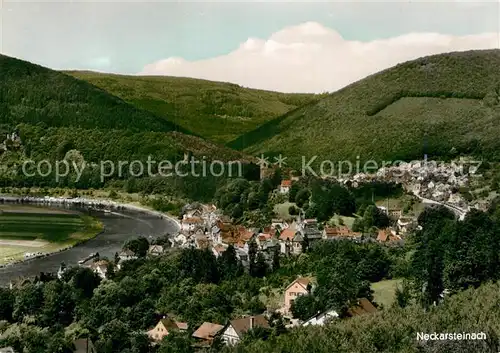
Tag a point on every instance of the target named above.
point(313, 58)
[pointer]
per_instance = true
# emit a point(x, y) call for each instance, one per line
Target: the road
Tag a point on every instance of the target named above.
point(118, 227)
point(459, 212)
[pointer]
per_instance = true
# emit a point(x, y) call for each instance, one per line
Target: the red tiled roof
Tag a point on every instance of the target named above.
point(341, 231)
point(386, 235)
point(192, 220)
point(207, 331)
point(287, 234)
point(203, 242)
point(286, 183)
point(364, 306)
point(243, 325)
point(245, 234)
point(219, 248)
point(264, 236)
point(303, 281)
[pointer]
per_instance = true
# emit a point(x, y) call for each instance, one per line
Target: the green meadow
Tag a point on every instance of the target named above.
point(30, 229)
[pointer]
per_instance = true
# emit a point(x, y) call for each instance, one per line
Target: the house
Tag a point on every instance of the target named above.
point(297, 241)
point(191, 223)
point(405, 225)
point(207, 332)
point(395, 213)
point(241, 252)
point(7, 350)
point(100, 268)
point(62, 270)
point(387, 235)
point(340, 232)
point(312, 233)
point(364, 306)
point(216, 234)
point(246, 234)
point(287, 234)
point(306, 223)
point(285, 186)
point(193, 213)
point(279, 223)
point(155, 250)
point(321, 318)
point(217, 250)
point(269, 245)
point(126, 255)
point(83, 345)
point(164, 327)
point(262, 238)
point(181, 238)
point(291, 241)
point(235, 329)
point(202, 242)
point(301, 286)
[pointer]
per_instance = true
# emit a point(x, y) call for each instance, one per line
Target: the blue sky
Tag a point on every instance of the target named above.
point(124, 37)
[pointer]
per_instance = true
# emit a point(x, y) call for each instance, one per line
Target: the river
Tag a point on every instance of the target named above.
point(119, 226)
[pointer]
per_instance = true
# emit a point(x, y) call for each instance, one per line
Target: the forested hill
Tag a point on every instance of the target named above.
point(217, 111)
point(33, 94)
point(444, 104)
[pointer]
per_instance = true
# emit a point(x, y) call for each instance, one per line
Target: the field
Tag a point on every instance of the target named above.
point(384, 292)
point(281, 209)
point(30, 229)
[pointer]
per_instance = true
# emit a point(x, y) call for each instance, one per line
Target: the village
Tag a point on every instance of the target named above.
point(205, 227)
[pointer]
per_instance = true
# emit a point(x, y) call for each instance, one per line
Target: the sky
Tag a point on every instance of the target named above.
point(286, 46)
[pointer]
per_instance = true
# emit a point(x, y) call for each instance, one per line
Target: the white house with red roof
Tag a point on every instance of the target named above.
point(285, 186)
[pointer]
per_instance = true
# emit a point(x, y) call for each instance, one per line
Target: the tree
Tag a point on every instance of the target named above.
point(358, 225)
point(176, 342)
point(260, 267)
point(305, 307)
point(277, 323)
point(471, 257)
point(58, 304)
point(59, 344)
point(294, 189)
point(428, 261)
point(302, 197)
point(339, 285)
point(305, 244)
point(28, 302)
point(229, 266)
point(237, 211)
point(85, 281)
point(113, 337)
point(374, 217)
point(139, 246)
point(252, 255)
point(7, 300)
point(276, 258)
point(403, 295)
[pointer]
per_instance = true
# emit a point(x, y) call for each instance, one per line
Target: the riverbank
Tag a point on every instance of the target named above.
point(105, 206)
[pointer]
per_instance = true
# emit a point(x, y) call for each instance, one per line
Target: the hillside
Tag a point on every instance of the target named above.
point(441, 105)
point(34, 94)
point(55, 114)
point(396, 329)
point(217, 111)
point(63, 110)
